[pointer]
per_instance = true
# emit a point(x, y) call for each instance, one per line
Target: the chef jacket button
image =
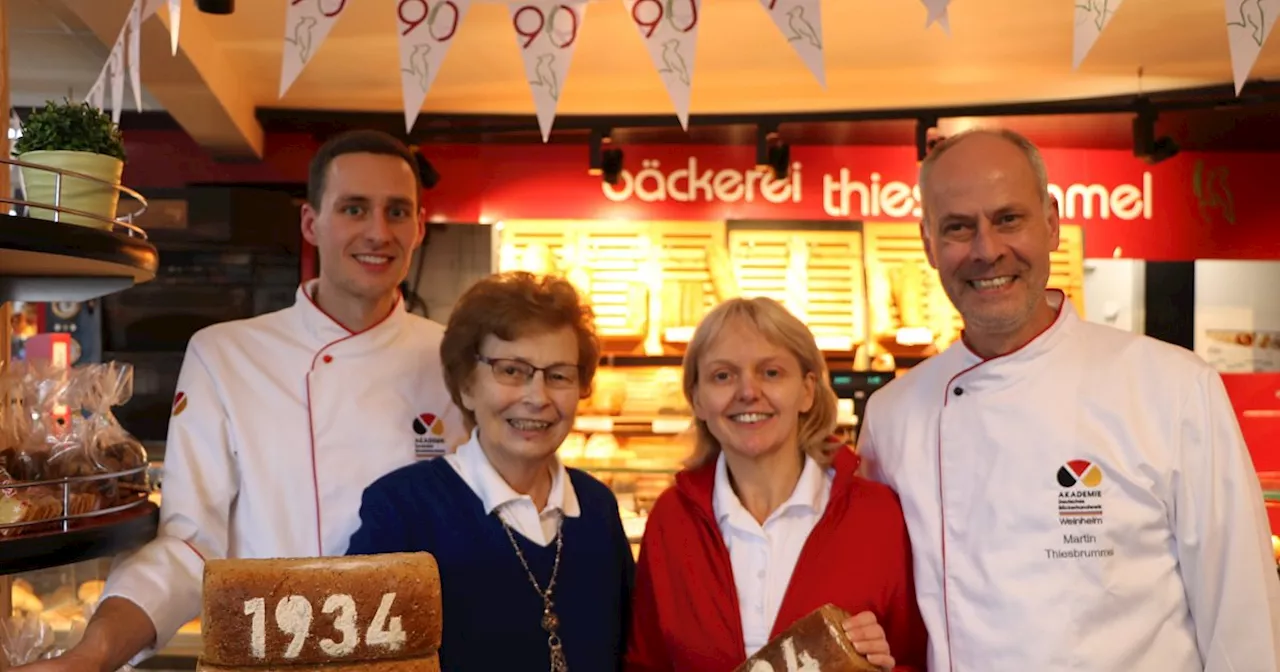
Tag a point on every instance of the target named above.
point(958, 391)
point(328, 358)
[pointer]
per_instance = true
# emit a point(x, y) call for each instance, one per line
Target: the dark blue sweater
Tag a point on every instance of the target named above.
point(492, 614)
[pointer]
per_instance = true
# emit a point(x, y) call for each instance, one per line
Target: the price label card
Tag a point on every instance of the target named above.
point(593, 423)
point(671, 425)
point(320, 610)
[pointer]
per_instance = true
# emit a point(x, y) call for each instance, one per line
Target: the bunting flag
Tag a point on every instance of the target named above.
point(425, 32)
point(801, 23)
point(135, 52)
point(96, 92)
point(125, 52)
point(547, 33)
point(670, 33)
point(116, 63)
point(306, 24)
point(175, 20)
point(1249, 24)
point(938, 14)
point(1092, 17)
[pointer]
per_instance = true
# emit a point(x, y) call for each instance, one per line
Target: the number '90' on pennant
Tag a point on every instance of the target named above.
point(669, 29)
point(425, 30)
point(547, 34)
point(800, 22)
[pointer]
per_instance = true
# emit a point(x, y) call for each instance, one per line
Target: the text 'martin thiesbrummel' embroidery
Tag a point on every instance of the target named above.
point(1079, 505)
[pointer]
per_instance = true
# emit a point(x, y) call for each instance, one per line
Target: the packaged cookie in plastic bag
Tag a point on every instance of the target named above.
point(40, 390)
point(24, 639)
point(110, 447)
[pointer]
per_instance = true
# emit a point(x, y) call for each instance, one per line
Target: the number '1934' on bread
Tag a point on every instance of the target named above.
point(320, 611)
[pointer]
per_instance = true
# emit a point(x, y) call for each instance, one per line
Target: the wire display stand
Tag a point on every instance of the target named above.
point(48, 260)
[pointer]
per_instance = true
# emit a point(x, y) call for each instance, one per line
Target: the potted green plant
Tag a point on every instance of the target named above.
point(75, 137)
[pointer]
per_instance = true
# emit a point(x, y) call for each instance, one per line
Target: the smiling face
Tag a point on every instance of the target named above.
point(367, 226)
point(522, 417)
point(750, 392)
point(989, 231)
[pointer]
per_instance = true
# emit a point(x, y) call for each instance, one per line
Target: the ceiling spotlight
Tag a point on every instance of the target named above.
point(772, 154)
point(927, 136)
point(1146, 145)
point(603, 158)
point(216, 6)
point(426, 172)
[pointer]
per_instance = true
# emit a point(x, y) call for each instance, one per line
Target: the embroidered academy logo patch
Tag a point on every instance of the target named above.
point(179, 403)
point(429, 435)
point(1080, 499)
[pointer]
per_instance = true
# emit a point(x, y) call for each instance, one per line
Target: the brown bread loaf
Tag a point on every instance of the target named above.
point(320, 611)
point(429, 663)
point(815, 643)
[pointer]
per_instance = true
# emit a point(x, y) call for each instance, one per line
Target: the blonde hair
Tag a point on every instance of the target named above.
point(781, 328)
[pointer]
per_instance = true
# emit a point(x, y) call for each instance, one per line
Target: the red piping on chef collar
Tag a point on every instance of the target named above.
point(344, 327)
point(1056, 318)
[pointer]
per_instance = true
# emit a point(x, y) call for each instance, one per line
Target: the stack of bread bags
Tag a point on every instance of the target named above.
point(380, 613)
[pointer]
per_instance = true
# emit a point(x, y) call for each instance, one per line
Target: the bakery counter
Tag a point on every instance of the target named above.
point(53, 606)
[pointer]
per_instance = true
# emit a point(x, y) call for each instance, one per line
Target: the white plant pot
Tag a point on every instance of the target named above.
point(77, 193)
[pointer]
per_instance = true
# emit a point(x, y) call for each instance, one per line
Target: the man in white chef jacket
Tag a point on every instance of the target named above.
point(1078, 497)
point(280, 421)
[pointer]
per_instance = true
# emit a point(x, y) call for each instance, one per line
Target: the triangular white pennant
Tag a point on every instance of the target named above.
point(1249, 24)
point(938, 14)
point(669, 29)
point(800, 22)
point(175, 22)
point(116, 62)
point(306, 25)
point(94, 96)
point(1092, 17)
point(135, 53)
point(425, 30)
point(547, 33)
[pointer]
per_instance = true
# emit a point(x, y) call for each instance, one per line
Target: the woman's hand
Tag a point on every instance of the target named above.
point(868, 639)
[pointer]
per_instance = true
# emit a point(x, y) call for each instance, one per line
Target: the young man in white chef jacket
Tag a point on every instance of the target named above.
point(282, 420)
point(1078, 497)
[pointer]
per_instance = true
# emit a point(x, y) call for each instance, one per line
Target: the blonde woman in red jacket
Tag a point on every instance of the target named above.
point(770, 521)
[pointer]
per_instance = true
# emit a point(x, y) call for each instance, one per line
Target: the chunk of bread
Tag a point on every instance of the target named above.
point(316, 611)
point(429, 663)
point(815, 642)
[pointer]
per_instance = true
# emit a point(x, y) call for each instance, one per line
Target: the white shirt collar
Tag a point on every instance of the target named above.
point(494, 492)
point(811, 493)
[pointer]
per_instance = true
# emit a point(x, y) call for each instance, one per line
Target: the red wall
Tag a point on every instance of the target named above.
point(1194, 206)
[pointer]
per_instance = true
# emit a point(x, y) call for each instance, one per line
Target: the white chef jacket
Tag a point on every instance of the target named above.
point(764, 557)
point(1084, 503)
point(519, 511)
point(279, 423)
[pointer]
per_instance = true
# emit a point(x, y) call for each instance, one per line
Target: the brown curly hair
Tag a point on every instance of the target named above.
point(509, 306)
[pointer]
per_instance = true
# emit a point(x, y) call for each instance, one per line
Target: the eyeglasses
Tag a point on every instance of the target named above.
point(516, 373)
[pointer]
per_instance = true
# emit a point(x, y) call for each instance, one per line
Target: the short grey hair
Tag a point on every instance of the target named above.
point(1028, 148)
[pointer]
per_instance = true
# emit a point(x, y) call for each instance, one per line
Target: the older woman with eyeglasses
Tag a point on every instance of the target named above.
point(535, 568)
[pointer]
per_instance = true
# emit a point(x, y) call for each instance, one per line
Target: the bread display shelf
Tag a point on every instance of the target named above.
point(102, 536)
point(45, 261)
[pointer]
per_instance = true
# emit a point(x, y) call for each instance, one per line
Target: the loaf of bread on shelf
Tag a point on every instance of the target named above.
point(316, 611)
point(429, 663)
point(815, 642)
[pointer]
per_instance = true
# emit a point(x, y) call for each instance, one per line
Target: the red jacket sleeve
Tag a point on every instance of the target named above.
point(646, 648)
point(904, 626)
